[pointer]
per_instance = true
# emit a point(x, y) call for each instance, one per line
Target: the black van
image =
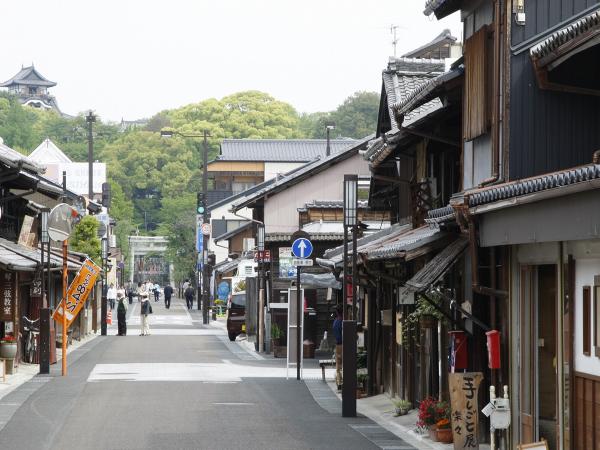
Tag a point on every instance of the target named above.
point(236, 315)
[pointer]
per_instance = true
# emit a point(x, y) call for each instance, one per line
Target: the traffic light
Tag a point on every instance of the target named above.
point(211, 259)
point(201, 203)
point(106, 195)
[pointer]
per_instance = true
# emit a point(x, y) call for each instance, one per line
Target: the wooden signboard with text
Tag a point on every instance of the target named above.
point(465, 412)
point(8, 287)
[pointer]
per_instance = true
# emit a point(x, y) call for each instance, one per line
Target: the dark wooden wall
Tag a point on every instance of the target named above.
point(548, 130)
point(587, 412)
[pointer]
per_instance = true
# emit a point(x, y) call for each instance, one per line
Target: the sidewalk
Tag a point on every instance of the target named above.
point(380, 409)
point(26, 372)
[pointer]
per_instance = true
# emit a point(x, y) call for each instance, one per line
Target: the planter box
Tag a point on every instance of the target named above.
point(279, 351)
point(444, 435)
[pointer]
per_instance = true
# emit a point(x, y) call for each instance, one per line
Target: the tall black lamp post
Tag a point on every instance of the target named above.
point(45, 310)
point(349, 325)
point(202, 211)
point(103, 305)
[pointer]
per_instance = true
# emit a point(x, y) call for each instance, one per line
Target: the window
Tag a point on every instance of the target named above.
point(587, 318)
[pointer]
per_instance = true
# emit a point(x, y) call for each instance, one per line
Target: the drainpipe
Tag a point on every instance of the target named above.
point(495, 178)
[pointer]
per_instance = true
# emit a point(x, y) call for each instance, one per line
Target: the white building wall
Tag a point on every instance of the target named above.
point(222, 250)
point(281, 214)
point(272, 169)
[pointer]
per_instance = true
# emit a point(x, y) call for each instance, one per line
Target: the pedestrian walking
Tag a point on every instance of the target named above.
point(121, 312)
point(337, 332)
point(156, 292)
point(184, 286)
point(189, 296)
point(130, 294)
point(168, 291)
point(111, 295)
point(145, 308)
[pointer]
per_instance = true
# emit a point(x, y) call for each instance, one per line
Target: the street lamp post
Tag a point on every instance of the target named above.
point(104, 306)
point(203, 289)
point(349, 325)
point(45, 310)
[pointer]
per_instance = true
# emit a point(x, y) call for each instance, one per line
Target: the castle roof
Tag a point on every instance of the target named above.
point(28, 76)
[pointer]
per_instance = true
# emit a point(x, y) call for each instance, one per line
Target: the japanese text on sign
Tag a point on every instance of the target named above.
point(8, 295)
point(78, 292)
point(465, 418)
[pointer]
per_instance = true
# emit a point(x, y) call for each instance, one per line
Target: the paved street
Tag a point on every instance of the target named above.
point(185, 386)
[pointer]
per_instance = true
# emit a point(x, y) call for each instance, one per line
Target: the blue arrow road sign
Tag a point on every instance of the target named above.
point(302, 248)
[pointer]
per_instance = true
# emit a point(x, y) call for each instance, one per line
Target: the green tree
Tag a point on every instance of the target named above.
point(85, 238)
point(357, 116)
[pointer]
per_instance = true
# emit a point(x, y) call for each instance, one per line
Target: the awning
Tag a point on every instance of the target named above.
point(562, 60)
point(434, 269)
point(226, 266)
point(20, 258)
point(320, 280)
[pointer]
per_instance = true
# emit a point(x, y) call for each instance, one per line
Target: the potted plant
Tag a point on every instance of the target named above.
point(279, 344)
point(426, 418)
point(402, 407)
point(8, 347)
point(443, 431)
point(423, 316)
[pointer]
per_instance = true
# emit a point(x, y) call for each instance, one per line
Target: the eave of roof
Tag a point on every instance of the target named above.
point(534, 188)
point(303, 173)
point(564, 36)
point(424, 93)
point(445, 37)
point(21, 78)
point(232, 233)
point(441, 8)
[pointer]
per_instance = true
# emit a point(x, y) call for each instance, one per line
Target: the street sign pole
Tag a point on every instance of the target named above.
point(298, 312)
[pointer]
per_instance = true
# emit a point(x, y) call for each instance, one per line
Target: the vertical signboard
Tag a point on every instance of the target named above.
point(465, 413)
point(8, 287)
point(286, 269)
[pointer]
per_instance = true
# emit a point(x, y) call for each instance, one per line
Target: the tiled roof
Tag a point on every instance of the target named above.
point(232, 233)
point(283, 150)
point(441, 8)
point(565, 35)
point(422, 94)
point(28, 76)
point(15, 256)
point(301, 174)
point(554, 180)
point(226, 266)
point(12, 158)
point(403, 76)
point(445, 37)
point(440, 215)
point(331, 204)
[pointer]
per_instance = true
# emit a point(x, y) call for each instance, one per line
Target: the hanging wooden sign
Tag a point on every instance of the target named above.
point(465, 412)
point(8, 290)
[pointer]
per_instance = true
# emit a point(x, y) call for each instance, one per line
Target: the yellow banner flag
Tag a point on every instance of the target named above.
point(78, 292)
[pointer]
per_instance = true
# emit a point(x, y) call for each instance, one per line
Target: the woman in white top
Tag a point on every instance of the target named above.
point(143, 295)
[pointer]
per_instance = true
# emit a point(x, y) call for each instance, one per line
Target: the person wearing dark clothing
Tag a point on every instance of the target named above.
point(121, 313)
point(337, 332)
point(189, 297)
point(130, 294)
point(168, 293)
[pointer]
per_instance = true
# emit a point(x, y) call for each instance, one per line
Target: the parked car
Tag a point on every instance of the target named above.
point(236, 314)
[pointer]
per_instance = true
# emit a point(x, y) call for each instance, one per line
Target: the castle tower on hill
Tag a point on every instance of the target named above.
point(31, 88)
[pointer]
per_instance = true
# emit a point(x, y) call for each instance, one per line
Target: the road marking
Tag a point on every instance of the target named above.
point(233, 404)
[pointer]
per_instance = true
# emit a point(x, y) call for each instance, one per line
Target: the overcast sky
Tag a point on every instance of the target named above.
point(133, 58)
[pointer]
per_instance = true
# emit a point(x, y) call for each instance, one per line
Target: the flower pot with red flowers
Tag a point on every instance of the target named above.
point(426, 416)
point(8, 347)
point(443, 431)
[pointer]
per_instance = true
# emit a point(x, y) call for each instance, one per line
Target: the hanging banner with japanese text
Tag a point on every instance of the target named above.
point(465, 413)
point(78, 292)
point(8, 289)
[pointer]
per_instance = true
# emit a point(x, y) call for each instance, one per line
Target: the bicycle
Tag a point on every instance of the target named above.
point(30, 344)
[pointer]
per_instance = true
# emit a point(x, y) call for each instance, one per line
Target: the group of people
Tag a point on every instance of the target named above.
point(120, 297)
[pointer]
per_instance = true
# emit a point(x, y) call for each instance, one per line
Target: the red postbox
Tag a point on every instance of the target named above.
point(458, 350)
point(493, 346)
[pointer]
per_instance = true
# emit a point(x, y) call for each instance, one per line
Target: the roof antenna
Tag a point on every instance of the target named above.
point(394, 30)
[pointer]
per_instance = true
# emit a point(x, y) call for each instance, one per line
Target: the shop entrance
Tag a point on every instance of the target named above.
point(538, 353)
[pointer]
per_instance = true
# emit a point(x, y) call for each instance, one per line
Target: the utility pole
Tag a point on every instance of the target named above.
point(205, 219)
point(90, 119)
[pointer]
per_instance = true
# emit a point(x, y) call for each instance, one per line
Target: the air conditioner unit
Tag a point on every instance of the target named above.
point(248, 244)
